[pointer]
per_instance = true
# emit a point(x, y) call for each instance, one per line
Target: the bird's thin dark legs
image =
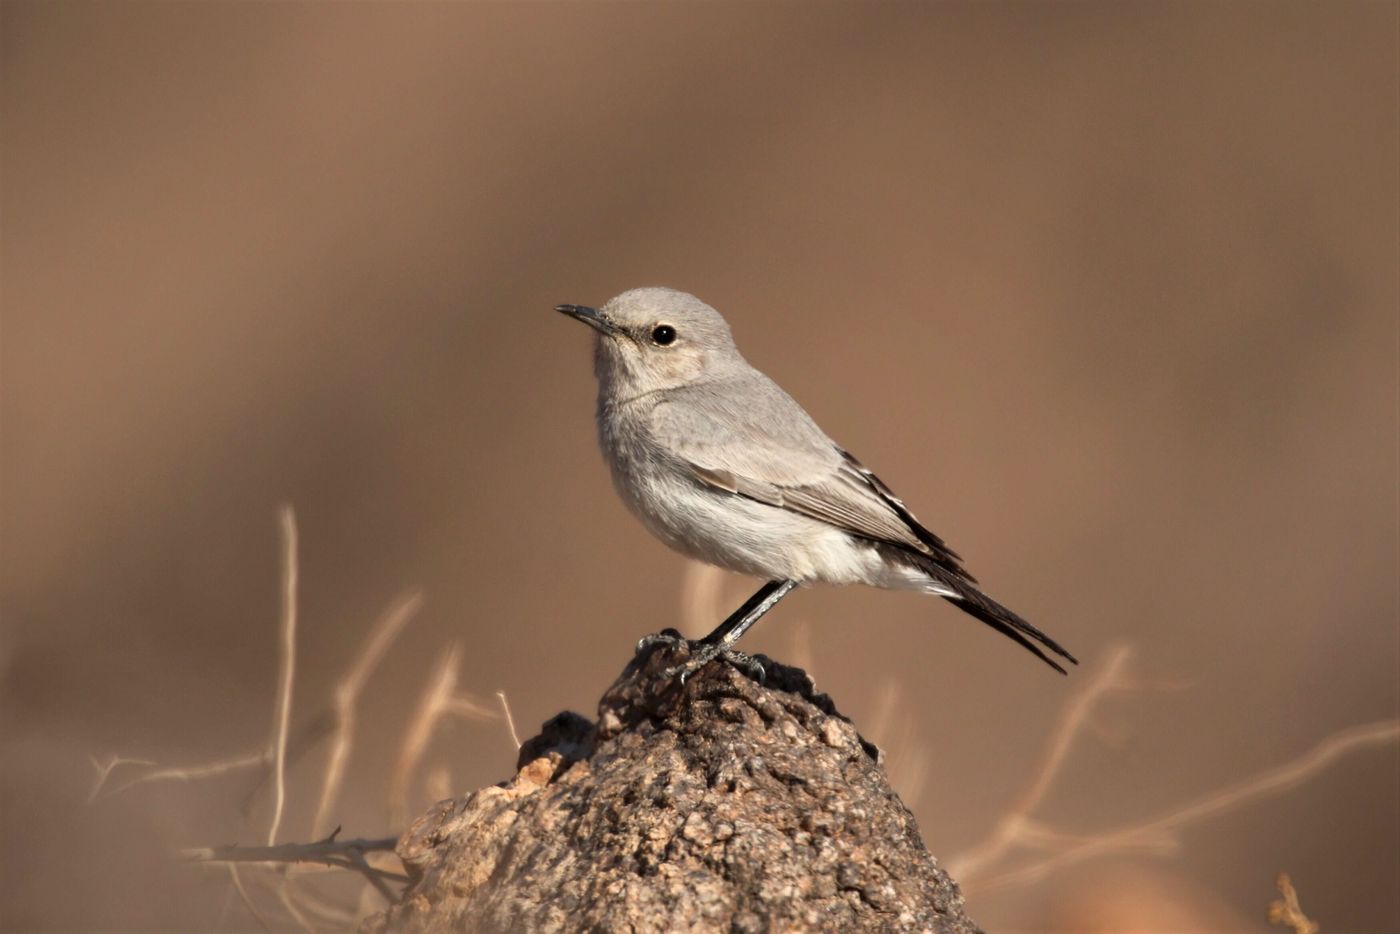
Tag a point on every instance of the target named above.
point(719, 642)
point(741, 620)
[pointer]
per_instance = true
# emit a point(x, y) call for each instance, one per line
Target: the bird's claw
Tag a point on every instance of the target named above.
point(701, 654)
point(669, 637)
point(704, 654)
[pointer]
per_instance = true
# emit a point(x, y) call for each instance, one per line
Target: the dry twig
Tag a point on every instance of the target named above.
point(183, 774)
point(105, 770)
point(282, 713)
point(1160, 833)
point(318, 908)
point(439, 699)
point(1287, 912)
point(801, 650)
point(1018, 829)
point(1011, 830)
point(237, 881)
point(284, 895)
point(906, 761)
point(510, 721)
point(702, 588)
point(347, 692)
point(272, 760)
point(343, 854)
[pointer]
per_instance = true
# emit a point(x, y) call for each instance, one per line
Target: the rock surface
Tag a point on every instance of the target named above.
point(720, 804)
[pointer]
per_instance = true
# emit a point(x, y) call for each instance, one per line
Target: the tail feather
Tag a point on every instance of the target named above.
point(982, 607)
point(958, 591)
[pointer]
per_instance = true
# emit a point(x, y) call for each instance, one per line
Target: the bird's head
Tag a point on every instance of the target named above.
point(654, 339)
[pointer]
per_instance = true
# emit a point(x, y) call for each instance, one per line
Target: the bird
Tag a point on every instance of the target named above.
point(722, 465)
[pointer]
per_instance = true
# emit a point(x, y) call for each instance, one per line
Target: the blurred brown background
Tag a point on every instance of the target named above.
point(1108, 292)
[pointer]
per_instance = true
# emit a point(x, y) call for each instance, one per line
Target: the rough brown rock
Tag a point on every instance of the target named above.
point(722, 804)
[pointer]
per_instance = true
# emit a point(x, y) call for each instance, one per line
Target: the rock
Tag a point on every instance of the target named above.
point(720, 804)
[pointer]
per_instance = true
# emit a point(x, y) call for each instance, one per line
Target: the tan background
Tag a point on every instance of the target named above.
point(1107, 292)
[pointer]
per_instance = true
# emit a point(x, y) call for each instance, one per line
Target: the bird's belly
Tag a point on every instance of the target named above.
point(743, 535)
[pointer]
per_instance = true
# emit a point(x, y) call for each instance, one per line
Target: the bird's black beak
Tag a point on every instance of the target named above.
point(588, 316)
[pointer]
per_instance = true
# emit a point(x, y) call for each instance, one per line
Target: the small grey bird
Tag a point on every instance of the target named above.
point(724, 466)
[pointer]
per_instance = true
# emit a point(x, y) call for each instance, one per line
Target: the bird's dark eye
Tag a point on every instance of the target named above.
point(663, 334)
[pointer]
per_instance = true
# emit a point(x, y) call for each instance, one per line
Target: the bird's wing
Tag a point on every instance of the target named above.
point(768, 449)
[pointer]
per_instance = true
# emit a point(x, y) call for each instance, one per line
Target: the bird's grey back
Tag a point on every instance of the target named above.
point(744, 435)
point(744, 423)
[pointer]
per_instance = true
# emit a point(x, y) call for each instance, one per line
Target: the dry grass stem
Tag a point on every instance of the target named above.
point(1286, 912)
point(105, 770)
point(469, 708)
point(702, 589)
point(801, 650)
point(320, 909)
point(438, 784)
point(1160, 834)
point(282, 712)
point(385, 630)
point(442, 698)
point(510, 721)
point(237, 881)
point(1012, 827)
point(906, 761)
point(229, 894)
point(342, 854)
point(284, 895)
point(1019, 829)
point(183, 774)
point(439, 698)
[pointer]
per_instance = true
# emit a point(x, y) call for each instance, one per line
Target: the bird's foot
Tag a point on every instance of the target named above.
point(701, 654)
point(666, 637)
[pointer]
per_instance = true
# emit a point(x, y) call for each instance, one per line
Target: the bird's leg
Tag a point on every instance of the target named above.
point(724, 631)
point(741, 620)
point(719, 642)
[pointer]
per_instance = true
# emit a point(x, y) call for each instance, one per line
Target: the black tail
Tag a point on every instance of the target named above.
point(975, 603)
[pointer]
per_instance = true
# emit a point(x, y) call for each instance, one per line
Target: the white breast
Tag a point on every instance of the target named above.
point(724, 529)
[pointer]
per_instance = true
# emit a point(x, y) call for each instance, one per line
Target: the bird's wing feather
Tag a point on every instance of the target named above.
point(772, 452)
point(838, 500)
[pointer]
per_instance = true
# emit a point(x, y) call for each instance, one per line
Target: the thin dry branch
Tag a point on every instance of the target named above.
point(104, 770)
point(906, 761)
point(436, 696)
point(1286, 912)
point(284, 895)
point(801, 650)
point(183, 774)
point(347, 692)
point(303, 739)
point(319, 909)
point(510, 721)
point(1012, 827)
point(343, 854)
point(272, 760)
point(438, 783)
point(468, 708)
point(702, 588)
point(260, 761)
point(440, 698)
point(1162, 830)
point(237, 881)
point(1019, 829)
point(282, 714)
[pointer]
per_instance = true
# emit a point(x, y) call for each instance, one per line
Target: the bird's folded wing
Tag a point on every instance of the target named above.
point(772, 452)
point(842, 499)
